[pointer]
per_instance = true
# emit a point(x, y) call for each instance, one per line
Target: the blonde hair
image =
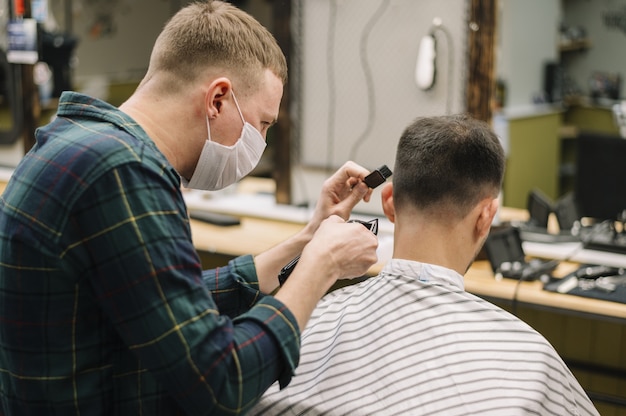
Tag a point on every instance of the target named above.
point(216, 35)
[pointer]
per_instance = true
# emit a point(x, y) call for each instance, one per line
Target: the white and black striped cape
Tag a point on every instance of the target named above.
point(411, 341)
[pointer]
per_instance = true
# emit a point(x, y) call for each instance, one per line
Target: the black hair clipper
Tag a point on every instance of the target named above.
point(371, 225)
point(378, 176)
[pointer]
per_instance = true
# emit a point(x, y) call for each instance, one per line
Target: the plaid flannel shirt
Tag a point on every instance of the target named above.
point(104, 308)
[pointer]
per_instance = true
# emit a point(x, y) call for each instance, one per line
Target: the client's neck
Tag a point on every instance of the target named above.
point(446, 245)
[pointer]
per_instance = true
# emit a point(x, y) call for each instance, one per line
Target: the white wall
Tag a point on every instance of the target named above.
point(358, 89)
point(356, 81)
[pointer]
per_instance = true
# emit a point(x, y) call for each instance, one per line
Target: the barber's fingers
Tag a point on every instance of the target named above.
point(345, 188)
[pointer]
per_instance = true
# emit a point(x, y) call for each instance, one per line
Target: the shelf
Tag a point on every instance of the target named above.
point(574, 45)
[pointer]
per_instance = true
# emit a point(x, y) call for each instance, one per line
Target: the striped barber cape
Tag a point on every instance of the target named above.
point(411, 341)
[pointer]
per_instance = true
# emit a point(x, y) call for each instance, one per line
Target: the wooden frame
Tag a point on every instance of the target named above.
point(481, 62)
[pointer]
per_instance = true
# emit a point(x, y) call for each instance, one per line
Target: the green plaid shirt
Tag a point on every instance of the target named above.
point(104, 308)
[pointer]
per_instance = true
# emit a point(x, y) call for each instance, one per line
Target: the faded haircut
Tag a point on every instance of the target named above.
point(216, 35)
point(445, 165)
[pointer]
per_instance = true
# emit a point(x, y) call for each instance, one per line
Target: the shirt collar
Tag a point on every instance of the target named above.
point(423, 272)
point(74, 104)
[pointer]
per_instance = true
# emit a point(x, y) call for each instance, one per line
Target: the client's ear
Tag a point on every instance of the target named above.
point(488, 210)
point(386, 196)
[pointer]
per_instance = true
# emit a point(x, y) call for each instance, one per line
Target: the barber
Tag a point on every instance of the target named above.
point(104, 307)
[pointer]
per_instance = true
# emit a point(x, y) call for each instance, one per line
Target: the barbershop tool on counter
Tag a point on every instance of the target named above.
point(590, 277)
point(507, 257)
point(214, 218)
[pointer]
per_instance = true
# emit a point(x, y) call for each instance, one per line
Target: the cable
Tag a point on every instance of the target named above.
point(331, 84)
point(295, 104)
point(369, 79)
point(332, 99)
point(529, 274)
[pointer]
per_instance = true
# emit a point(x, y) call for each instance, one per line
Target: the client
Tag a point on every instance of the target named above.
point(411, 340)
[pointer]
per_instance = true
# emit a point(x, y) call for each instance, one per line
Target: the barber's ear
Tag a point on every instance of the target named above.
point(489, 208)
point(387, 201)
point(217, 91)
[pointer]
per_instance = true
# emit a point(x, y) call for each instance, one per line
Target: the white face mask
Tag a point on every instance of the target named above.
point(220, 166)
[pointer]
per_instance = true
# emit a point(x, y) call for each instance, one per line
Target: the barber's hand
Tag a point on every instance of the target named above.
point(341, 192)
point(340, 250)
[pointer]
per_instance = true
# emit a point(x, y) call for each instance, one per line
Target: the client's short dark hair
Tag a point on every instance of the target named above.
point(446, 164)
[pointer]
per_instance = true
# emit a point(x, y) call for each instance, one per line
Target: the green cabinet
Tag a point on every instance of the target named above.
point(533, 157)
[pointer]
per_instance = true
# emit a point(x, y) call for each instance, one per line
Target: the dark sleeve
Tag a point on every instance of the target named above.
point(235, 287)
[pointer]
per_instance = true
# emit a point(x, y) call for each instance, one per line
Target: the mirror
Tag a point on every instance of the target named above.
point(570, 56)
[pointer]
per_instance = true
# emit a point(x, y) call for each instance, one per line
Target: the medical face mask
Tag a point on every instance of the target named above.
point(220, 166)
